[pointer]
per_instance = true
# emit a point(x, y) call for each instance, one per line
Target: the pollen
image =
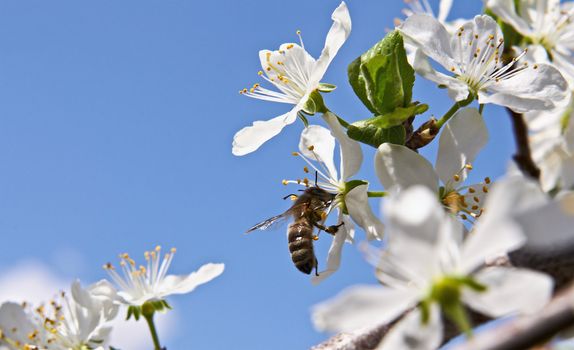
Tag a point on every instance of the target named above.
point(315, 237)
point(323, 215)
point(293, 197)
point(306, 170)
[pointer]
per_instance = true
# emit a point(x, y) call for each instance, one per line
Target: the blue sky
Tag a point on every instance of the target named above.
point(116, 121)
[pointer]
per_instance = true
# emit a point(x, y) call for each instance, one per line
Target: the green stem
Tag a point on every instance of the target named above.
point(447, 115)
point(377, 194)
point(453, 110)
point(153, 331)
point(342, 121)
point(481, 108)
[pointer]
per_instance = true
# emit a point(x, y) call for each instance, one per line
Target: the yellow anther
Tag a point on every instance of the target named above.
point(452, 69)
point(268, 69)
point(173, 250)
point(464, 217)
point(487, 180)
point(474, 207)
point(305, 169)
point(456, 177)
point(311, 148)
point(108, 266)
point(468, 166)
point(298, 32)
point(260, 73)
point(315, 237)
point(306, 182)
point(295, 154)
point(290, 46)
point(284, 182)
point(484, 189)
point(476, 199)
point(471, 190)
point(157, 248)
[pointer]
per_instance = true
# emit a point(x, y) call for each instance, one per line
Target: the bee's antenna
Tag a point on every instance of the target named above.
point(289, 195)
point(316, 175)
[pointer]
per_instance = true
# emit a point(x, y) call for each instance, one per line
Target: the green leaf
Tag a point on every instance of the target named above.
point(398, 116)
point(324, 87)
point(303, 118)
point(374, 136)
point(382, 77)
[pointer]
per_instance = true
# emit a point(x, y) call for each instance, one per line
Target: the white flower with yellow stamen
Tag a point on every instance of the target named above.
point(474, 56)
point(547, 24)
point(317, 149)
point(140, 284)
point(398, 167)
point(296, 75)
point(78, 322)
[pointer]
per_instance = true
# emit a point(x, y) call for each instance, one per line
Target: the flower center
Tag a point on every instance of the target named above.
point(287, 70)
point(464, 201)
point(479, 60)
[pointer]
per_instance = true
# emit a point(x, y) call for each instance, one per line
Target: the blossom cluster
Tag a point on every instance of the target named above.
point(441, 234)
point(80, 319)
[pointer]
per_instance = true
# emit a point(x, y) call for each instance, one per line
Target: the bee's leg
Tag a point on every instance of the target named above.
point(329, 229)
point(316, 267)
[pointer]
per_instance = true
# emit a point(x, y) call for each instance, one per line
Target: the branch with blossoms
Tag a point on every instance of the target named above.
point(443, 235)
point(81, 320)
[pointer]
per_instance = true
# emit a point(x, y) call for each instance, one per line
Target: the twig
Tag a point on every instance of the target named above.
point(526, 332)
point(523, 156)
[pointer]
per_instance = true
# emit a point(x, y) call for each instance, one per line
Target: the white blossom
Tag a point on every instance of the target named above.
point(473, 58)
point(78, 322)
point(547, 24)
point(151, 282)
point(462, 138)
point(317, 148)
point(295, 74)
point(428, 266)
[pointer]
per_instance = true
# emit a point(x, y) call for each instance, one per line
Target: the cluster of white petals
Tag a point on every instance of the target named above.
point(73, 323)
point(472, 58)
point(151, 282)
point(426, 248)
point(296, 74)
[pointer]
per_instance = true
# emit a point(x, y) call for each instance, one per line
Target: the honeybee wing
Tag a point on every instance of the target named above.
point(277, 220)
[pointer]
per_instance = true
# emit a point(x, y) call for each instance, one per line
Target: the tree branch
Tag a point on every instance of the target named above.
point(526, 332)
point(523, 156)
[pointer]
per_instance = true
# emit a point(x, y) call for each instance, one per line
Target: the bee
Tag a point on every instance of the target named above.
point(308, 212)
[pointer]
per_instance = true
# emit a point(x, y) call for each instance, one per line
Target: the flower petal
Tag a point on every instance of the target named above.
point(410, 334)
point(431, 37)
point(252, 137)
point(540, 86)
point(557, 214)
point(510, 290)
point(322, 143)
point(336, 37)
point(361, 306)
point(334, 256)
point(351, 153)
point(399, 167)
point(443, 10)
point(457, 90)
point(460, 141)
point(13, 316)
point(418, 229)
point(184, 284)
point(496, 232)
point(357, 203)
point(506, 10)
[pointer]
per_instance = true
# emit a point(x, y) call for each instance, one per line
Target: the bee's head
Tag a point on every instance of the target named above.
point(319, 193)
